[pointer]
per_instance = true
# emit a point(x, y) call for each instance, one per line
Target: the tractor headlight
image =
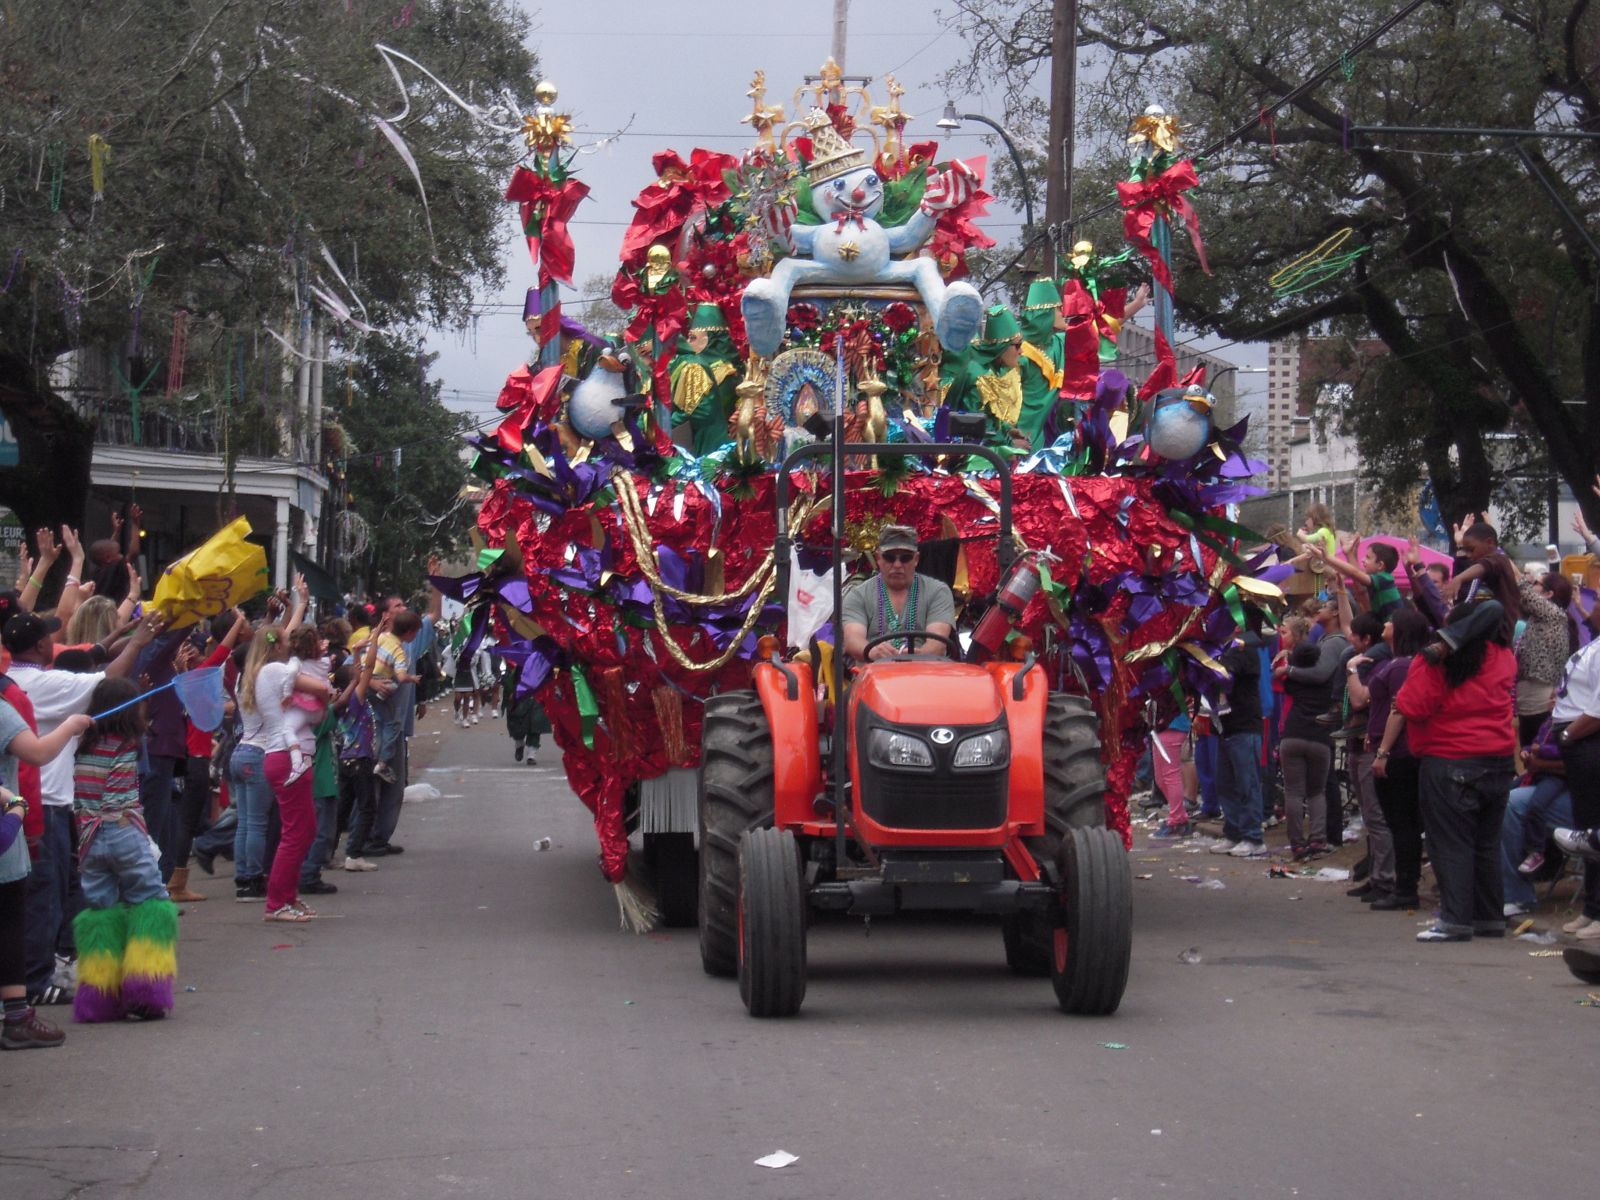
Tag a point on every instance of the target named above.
point(983, 750)
point(899, 750)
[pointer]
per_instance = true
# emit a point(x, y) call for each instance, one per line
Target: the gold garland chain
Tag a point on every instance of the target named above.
point(763, 577)
point(681, 656)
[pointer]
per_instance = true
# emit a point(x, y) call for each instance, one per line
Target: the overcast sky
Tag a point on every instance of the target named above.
point(674, 76)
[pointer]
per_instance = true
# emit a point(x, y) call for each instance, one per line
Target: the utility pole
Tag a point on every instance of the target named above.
point(1063, 89)
point(841, 22)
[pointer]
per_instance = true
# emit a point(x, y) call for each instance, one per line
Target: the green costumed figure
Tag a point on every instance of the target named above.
point(1043, 350)
point(705, 375)
point(985, 379)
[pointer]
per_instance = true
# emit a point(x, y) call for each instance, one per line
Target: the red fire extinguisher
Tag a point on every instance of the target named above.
point(1018, 588)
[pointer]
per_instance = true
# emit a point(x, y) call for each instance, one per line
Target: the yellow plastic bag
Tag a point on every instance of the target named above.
point(226, 570)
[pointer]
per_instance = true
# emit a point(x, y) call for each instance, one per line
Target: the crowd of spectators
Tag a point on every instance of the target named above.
point(109, 791)
point(1454, 706)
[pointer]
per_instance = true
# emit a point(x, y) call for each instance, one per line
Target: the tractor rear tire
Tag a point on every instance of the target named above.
point(735, 797)
point(1093, 943)
point(674, 871)
point(772, 924)
point(1074, 798)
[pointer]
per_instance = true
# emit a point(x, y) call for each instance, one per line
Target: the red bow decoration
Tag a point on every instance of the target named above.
point(546, 209)
point(660, 319)
point(665, 205)
point(1143, 202)
point(958, 230)
point(527, 395)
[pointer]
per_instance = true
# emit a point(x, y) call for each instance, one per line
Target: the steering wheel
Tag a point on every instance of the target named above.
point(911, 635)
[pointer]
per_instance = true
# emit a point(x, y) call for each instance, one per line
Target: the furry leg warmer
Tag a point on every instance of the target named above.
point(150, 963)
point(102, 937)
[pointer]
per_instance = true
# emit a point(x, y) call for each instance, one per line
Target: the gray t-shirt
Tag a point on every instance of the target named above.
point(14, 862)
point(935, 605)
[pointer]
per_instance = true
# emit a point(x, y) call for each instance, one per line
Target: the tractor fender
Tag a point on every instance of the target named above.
point(796, 753)
point(1025, 722)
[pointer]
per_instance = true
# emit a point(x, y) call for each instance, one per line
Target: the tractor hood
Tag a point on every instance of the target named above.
point(929, 692)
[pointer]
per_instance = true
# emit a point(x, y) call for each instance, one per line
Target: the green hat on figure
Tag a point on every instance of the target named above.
point(1000, 329)
point(709, 317)
point(1039, 313)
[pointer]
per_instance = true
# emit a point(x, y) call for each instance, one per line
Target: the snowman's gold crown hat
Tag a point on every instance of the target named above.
point(831, 155)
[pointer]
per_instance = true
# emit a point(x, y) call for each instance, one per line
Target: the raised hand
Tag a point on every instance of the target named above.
point(48, 550)
point(149, 627)
point(1413, 552)
point(70, 542)
point(1140, 298)
point(1579, 525)
point(302, 589)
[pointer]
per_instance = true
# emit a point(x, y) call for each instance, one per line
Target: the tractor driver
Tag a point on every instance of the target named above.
point(897, 598)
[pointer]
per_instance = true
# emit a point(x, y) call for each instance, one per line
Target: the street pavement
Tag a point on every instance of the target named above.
point(469, 1021)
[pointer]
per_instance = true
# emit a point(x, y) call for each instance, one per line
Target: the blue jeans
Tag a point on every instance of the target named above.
point(1205, 766)
point(327, 810)
point(1531, 813)
point(252, 798)
point(388, 722)
point(120, 866)
point(53, 898)
point(160, 813)
point(1239, 786)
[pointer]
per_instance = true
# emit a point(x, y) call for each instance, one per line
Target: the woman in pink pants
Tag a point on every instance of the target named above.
point(1175, 774)
point(270, 677)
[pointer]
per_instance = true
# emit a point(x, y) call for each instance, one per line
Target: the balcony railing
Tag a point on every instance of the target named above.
point(155, 428)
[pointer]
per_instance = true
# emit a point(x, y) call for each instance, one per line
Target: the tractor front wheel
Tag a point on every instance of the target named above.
point(735, 796)
point(772, 924)
point(1093, 940)
point(1074, 798)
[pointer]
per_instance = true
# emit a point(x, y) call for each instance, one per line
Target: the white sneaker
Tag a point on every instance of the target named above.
point(474, 718)
point(1578, 924)
point(1223, 846)
point(1512, 909)
point(1249, 850)
point(359, 864)
point(1589, 933)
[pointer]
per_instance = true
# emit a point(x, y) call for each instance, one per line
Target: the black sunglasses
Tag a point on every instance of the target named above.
point(897, 556)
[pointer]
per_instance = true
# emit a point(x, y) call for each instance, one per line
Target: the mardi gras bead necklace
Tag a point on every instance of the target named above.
point(891, 622)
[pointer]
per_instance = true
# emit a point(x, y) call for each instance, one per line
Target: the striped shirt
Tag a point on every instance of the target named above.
point(107, 776)
point(1385, 595)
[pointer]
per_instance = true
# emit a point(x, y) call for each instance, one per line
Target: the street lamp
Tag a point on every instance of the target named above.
point(950, 122)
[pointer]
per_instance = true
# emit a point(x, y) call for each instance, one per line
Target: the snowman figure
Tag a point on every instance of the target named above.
point(851, 247)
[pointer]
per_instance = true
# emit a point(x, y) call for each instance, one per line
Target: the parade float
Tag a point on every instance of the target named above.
point(631, 567)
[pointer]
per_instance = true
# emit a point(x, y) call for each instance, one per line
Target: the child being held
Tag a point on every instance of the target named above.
point(303, 712)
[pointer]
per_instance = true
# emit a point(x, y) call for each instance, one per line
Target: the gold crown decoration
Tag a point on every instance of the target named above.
point(831, 155)
point(762, 116)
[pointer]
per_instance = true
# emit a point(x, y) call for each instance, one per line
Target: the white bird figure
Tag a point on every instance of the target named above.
point(1180, 421)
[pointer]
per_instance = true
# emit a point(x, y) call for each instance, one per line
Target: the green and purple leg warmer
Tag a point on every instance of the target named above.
point(127, 960)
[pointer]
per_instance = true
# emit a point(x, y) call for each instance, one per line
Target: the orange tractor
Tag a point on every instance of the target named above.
point(933, 784)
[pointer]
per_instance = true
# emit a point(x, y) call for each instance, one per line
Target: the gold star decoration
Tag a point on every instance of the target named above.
point(849, 251)
point(544, 131)
point(1158, 128)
